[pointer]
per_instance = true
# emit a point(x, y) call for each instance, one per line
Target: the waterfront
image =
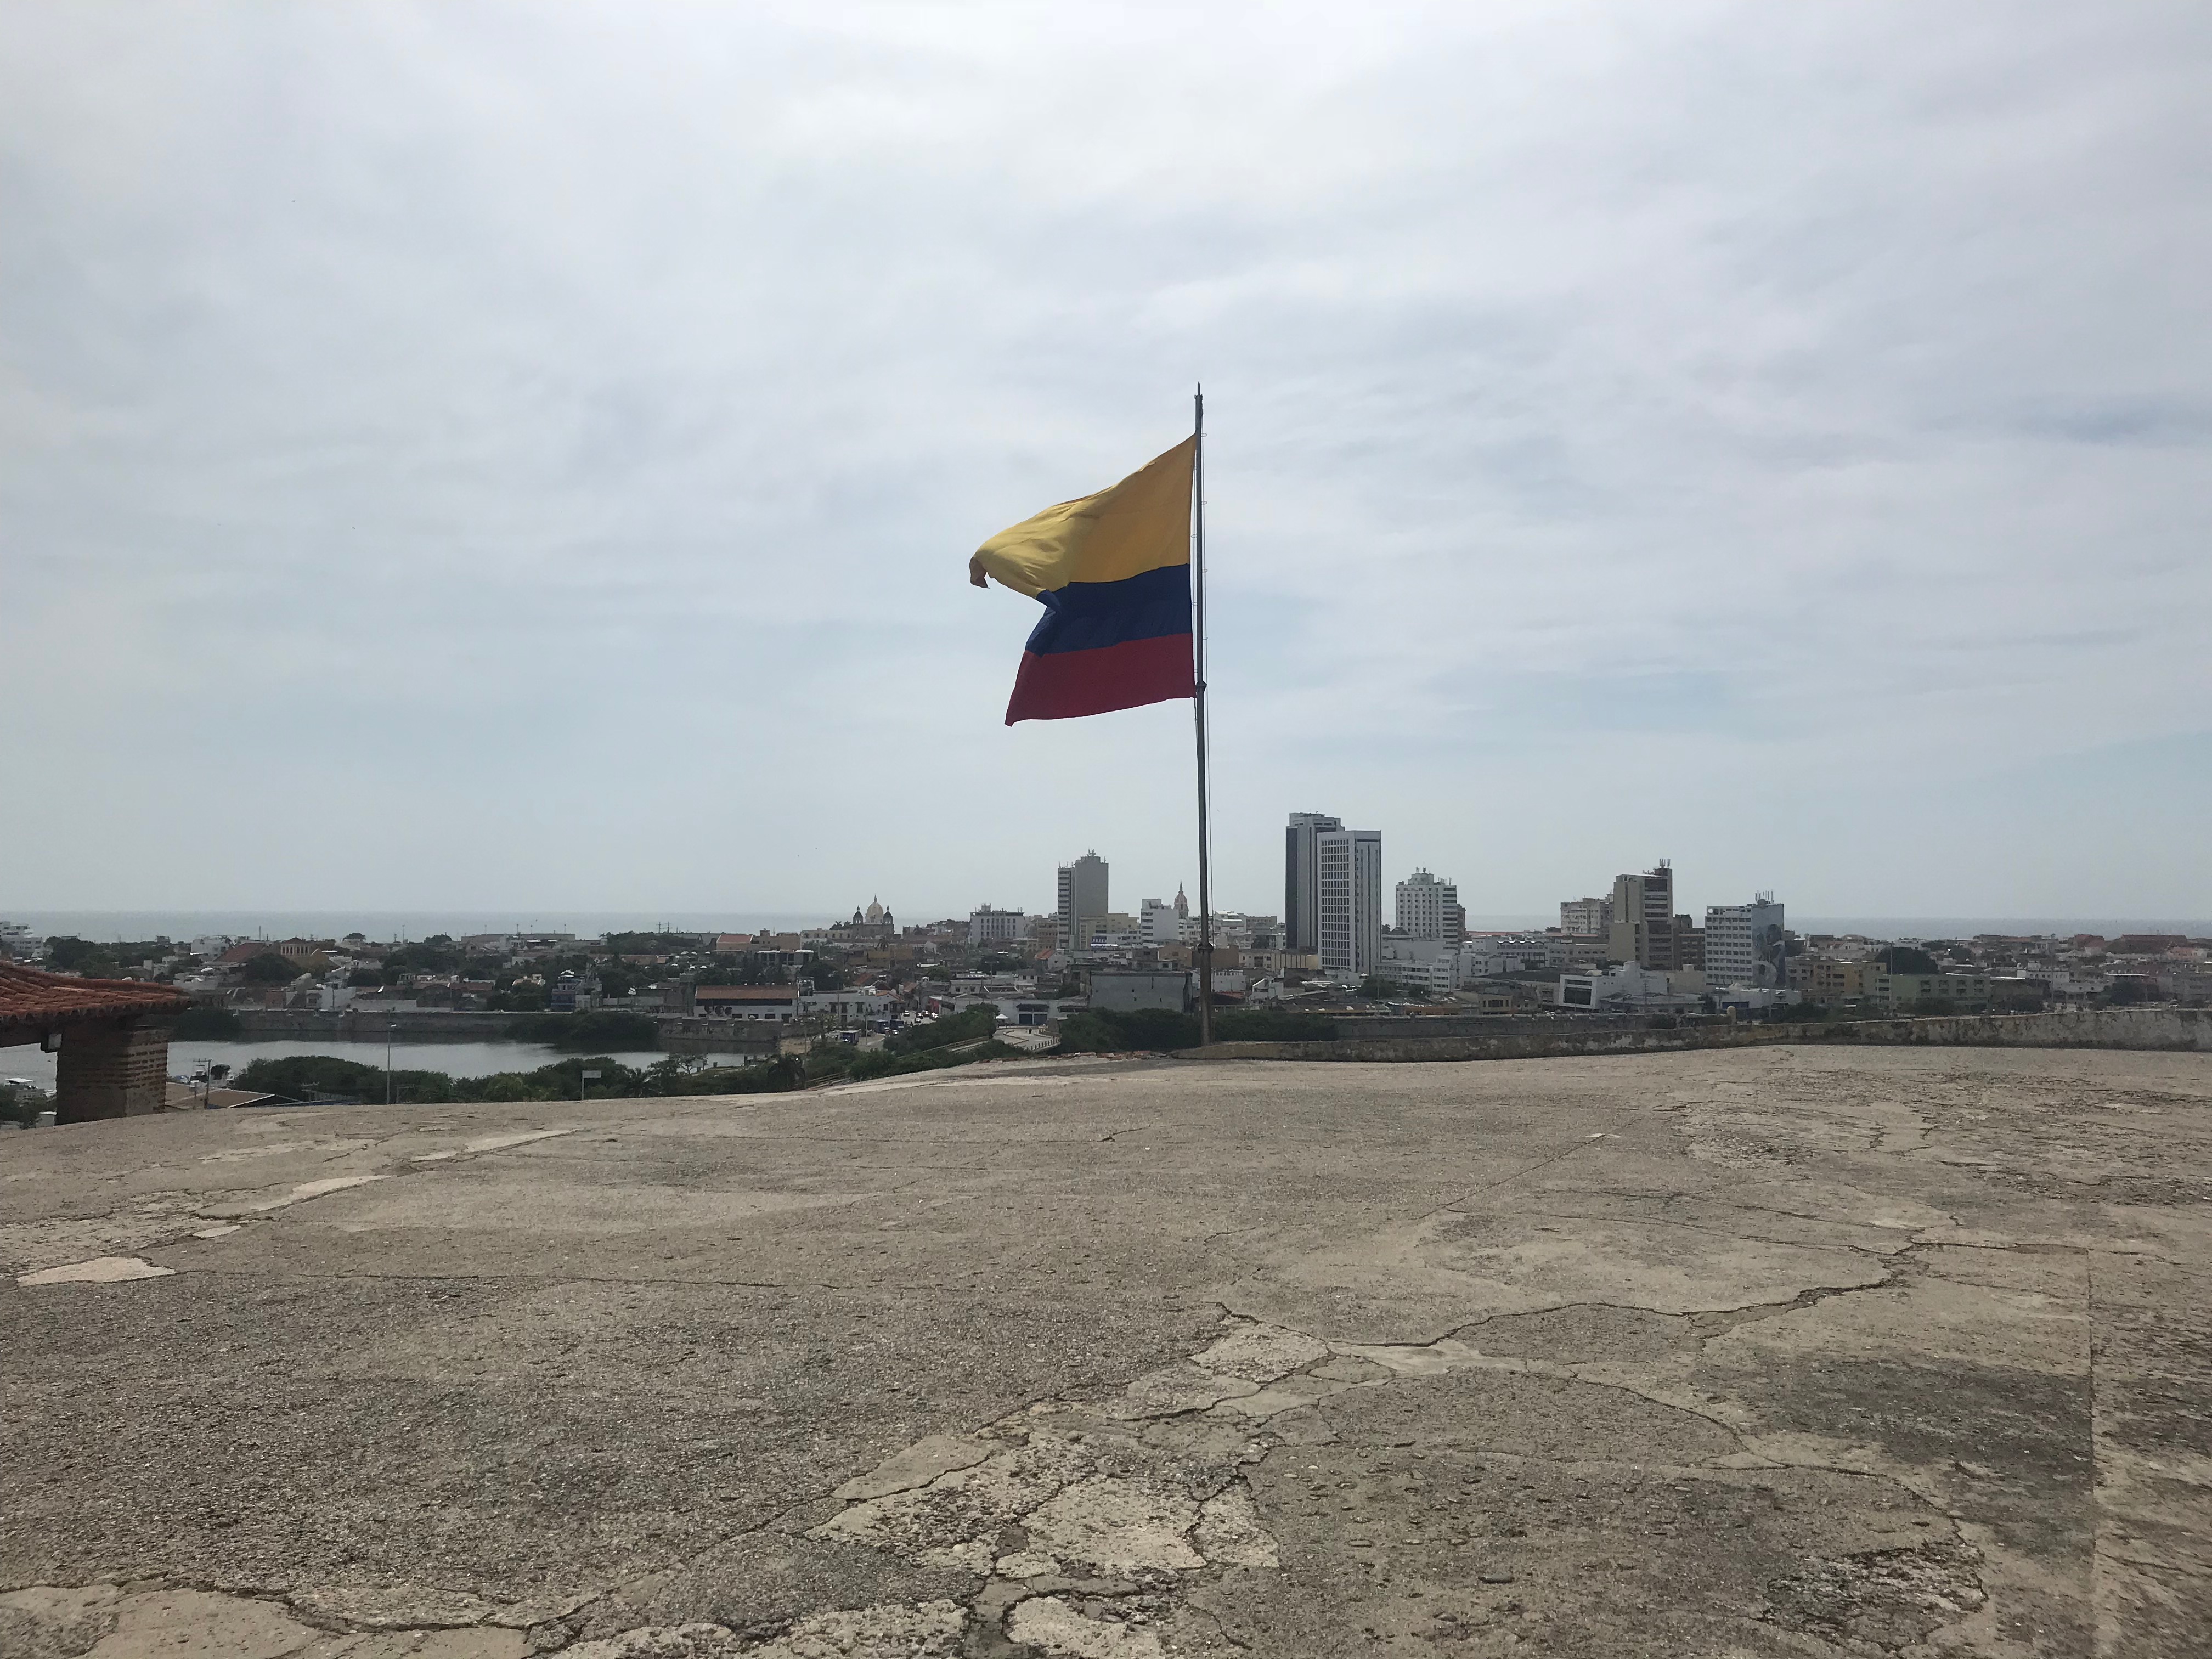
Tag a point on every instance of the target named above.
point(454, 1058)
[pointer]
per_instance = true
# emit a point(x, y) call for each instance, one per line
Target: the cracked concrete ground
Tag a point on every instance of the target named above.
point(1750, 1353)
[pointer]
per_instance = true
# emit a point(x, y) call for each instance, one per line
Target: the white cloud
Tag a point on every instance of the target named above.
point(1727, 431)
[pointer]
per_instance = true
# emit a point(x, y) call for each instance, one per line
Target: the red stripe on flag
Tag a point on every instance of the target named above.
point(1065, 685)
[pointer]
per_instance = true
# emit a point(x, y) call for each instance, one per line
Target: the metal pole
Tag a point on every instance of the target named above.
point(1204, 862)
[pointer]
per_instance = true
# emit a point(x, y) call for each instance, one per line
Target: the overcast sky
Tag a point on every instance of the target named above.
point(527, 456)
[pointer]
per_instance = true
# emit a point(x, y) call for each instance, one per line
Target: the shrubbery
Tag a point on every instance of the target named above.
point(22, 1106)
point(957, 1041)
point(299, 1076)
point(303, 1076)
point(841, 1060)
point(970, 1027)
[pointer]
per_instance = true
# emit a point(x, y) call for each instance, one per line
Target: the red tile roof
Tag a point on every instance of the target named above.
point(29, 996)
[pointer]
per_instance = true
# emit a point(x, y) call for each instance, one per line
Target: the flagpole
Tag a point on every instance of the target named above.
point(1204, 953)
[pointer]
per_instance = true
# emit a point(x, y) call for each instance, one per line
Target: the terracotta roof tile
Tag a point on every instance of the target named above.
point(30, 996)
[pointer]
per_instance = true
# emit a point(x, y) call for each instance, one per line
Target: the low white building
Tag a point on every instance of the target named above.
point(1626, 989)
point(1754, 998)
point(988, 926)
point(848, 1007)
point(1486, 954)
point(1014, 1010)
point(1430, 966)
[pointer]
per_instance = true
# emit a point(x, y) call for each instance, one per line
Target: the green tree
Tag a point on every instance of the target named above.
point(436, 955)
point(270, 969)
point(21, 1105)
point(968, 1027)
point(298, 1076)
point(505, 1086)
point(68, 954)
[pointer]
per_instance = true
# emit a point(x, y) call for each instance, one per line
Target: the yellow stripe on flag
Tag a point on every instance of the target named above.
point(1140, 524)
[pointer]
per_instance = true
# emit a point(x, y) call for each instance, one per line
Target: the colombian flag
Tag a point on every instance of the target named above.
point(1112, 573)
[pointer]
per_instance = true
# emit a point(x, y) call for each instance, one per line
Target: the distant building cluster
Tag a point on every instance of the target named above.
point(1335, 946)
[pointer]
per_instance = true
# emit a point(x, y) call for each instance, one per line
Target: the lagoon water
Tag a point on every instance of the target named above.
point(454, 1058)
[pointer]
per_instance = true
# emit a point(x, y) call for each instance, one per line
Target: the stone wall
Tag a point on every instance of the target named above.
point(407, 1025)
point(2183, 1029)
point(2188, 1029)
point(116, 1068)
point(1368, 1028)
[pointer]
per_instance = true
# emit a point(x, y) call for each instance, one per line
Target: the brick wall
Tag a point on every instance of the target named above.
point(111, 1069)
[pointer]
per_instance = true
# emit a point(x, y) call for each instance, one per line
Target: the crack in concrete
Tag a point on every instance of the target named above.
point(262, 1272)
point(1581, 1142)
point(1723, 1232)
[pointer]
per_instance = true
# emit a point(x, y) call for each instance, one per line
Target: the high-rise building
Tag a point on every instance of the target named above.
point(1160, 922)
point(1082, 896)
point(1302, 881)
point(1348, 901)
point(1428, 908)
point(1643, 928)
point(1744, 943)
point(1586, 918)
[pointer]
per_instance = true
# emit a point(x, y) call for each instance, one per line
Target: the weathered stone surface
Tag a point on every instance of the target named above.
point(1758, 1352)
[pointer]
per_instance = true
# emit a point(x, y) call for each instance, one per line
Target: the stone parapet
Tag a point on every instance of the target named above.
point(2187, 1030)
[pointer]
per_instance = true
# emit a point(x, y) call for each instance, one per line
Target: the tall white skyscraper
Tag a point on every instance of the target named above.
point(1348, 903)
point(1744, 943)
point(1082, 898)
point(1428, 907)
point(1302, 881)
